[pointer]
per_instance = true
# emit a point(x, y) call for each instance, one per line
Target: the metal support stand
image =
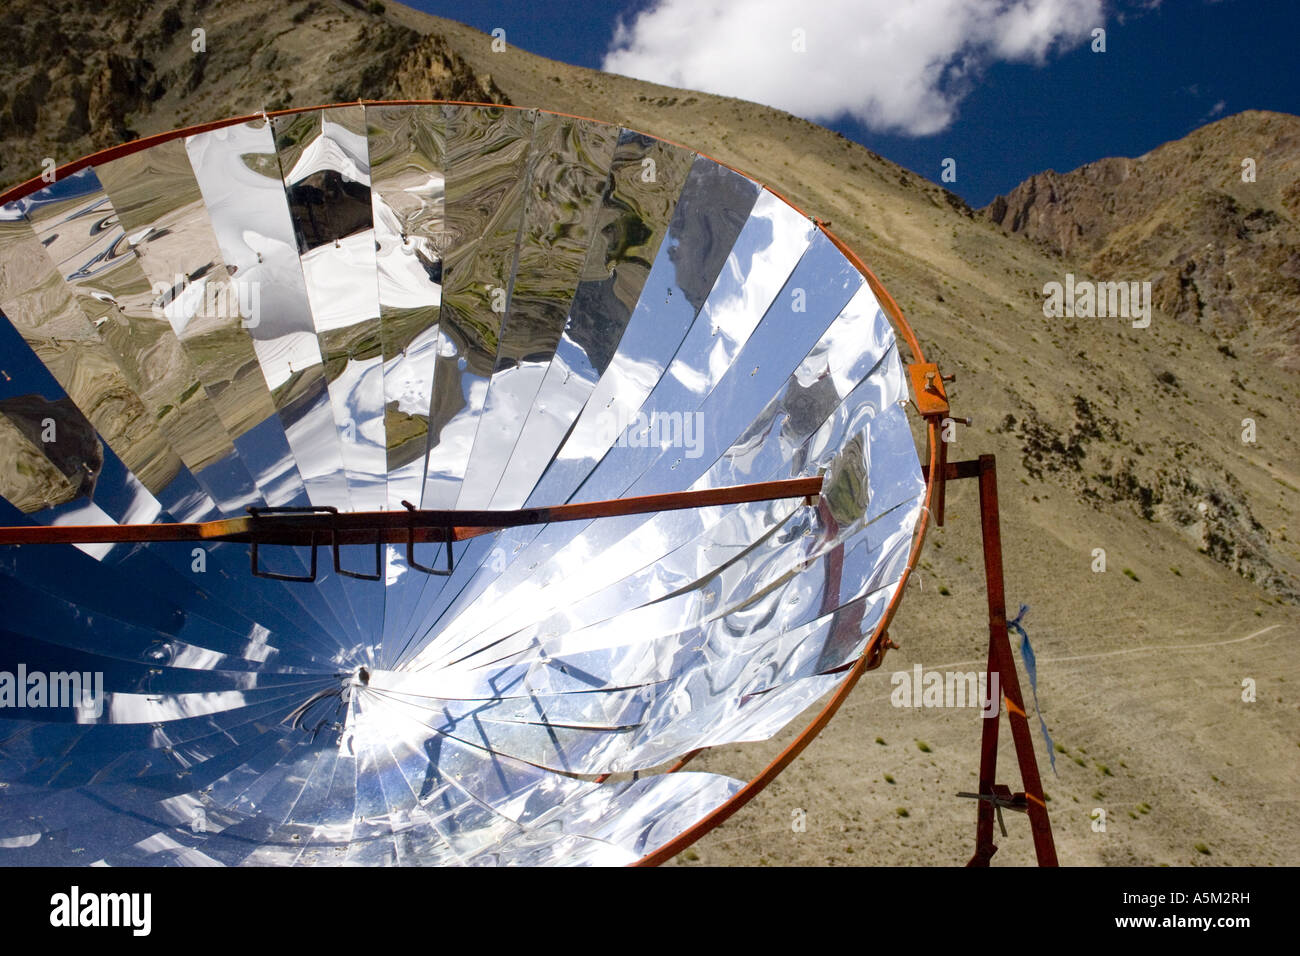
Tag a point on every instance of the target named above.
point(994, 797)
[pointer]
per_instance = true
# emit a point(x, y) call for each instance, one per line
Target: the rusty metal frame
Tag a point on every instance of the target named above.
point(993, 797)
point(933, 413)
point(307, 526)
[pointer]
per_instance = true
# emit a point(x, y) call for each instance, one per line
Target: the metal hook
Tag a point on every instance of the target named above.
point(410, 546)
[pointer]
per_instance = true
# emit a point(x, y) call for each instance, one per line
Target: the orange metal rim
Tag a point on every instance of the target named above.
point(891, 308)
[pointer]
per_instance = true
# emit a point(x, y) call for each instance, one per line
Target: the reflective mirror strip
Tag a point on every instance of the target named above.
point(487, 150)
point(161, 209)
point(325, 165)
point(238, 175)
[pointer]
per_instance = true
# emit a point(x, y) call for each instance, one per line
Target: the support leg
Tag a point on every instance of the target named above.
point(1003, 664)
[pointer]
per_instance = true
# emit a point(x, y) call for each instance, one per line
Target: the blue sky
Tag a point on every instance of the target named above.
point(1011, 95)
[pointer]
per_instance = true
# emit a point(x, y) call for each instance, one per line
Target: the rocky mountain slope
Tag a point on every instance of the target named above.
point(1111, 439)
point(1212, 220)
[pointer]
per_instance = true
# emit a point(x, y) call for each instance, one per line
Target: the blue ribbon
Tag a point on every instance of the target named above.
point(1031, 668)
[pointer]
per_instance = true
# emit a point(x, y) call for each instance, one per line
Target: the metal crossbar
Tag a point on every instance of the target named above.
point(312, 527)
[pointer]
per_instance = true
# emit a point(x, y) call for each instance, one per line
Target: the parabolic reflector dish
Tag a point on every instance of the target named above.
point(469, 309)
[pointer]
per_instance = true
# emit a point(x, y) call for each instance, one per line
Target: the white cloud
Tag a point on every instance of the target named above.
point(1215, 111)
point(895, 66)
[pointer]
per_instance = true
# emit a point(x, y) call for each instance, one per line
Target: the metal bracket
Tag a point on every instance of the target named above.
point(876, 652)
point(927, 386)
point(361, 575)
point(410, 546)
point(1002, 797)
point(931, 399)
point(259, 513)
